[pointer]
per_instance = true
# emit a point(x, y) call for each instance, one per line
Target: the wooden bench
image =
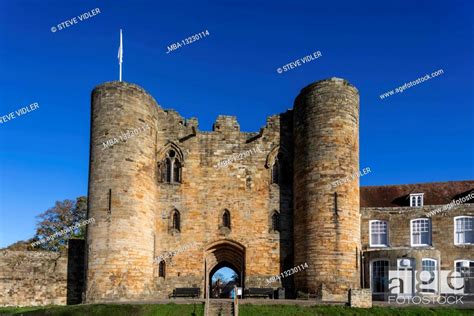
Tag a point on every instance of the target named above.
point(186, 292)
point(258, 292)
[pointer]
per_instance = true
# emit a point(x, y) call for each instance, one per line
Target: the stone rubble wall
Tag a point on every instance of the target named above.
point(32, 278)
point(360, 298)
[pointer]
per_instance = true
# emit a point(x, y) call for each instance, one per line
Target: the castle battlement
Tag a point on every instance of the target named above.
point(259, 202)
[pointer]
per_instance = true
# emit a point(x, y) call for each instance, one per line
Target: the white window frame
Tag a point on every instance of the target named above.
point(462, 260)
point(430, 232)
point(429, 259)
point(370, 233)
point(414, 197)
point(435, 270)
point(371, 274)
point(455, 239)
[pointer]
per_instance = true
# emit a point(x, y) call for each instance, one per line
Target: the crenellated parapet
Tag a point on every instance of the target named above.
point(170, 184)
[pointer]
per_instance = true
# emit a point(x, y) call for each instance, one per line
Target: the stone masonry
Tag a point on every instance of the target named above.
point(134, 207)
point(327, 220)
point(32, 278)
point(442, 249)
point(168, 213)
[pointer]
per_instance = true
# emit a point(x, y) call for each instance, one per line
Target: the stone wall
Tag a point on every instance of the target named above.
point(442, 225)
point(360, 298)
point(242, 187)
point(32, 278)
point(133, 207)
point(442, 248)
point(327, 218)
point(121, 195)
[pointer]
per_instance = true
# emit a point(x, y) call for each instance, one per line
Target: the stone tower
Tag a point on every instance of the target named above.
point(121, 175)
point(155, 187)
point(327, 217)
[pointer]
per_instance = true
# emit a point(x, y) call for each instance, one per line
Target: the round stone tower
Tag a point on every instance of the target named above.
point(120, 244)
point(327, 214)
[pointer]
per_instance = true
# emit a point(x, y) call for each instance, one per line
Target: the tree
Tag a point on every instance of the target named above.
point(59, 223)
point(235, 278)
point(22, 245)
point(217, 276)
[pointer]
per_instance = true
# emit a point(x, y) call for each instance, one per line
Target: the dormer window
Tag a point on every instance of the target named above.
point(416, 200)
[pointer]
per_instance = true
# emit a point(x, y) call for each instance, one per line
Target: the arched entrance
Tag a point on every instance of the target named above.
point(224, 253)
point(224, 277)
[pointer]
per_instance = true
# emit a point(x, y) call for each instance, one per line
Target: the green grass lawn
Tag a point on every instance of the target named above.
point(271, 310)
point(109, 310)
point(245, 310)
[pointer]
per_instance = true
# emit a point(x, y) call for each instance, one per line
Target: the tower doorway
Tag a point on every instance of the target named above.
point(225, 268)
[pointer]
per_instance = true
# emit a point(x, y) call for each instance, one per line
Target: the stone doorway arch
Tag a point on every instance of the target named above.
point(224, 253)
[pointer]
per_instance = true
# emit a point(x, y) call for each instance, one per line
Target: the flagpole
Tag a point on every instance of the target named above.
point(120, 56)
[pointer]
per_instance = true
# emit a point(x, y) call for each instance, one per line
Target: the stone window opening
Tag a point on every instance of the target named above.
point(224, 223)
point(110, 202)
point(275, 222)
point(175, 222)
point(278, 163)
point(280, 174)
point(276, 172)
point(167, 170)
point(171, 168)
point(176, 171)
point(162, 269)
point(226, 219)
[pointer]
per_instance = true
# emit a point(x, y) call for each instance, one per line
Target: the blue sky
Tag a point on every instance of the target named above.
point(226, 272)
point(421, 135)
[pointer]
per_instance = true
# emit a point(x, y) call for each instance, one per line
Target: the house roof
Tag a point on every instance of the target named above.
point(435, 193)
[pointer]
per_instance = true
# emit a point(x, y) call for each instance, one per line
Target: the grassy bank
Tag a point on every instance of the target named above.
point(273, 310)
point(108, 310)
point(245, 310)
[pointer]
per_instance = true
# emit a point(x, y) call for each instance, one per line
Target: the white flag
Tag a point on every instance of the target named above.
point(120, 51)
